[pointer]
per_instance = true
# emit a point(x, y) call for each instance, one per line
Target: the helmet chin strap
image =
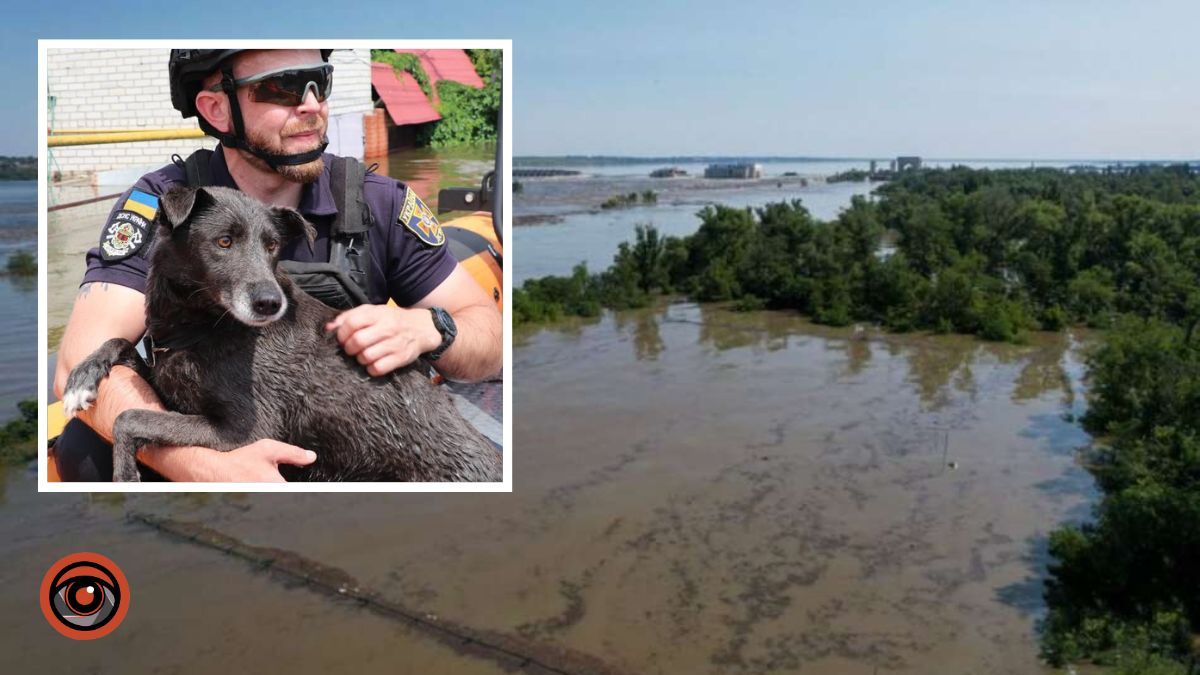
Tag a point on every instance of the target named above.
point(238, 138)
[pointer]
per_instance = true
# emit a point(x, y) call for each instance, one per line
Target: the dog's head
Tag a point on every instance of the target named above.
point(226, 245)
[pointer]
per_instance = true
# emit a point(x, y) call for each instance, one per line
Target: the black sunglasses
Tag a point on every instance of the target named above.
point(287, 86)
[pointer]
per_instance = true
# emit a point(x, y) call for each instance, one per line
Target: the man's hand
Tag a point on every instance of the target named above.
point(384, 338)
point(255, 463)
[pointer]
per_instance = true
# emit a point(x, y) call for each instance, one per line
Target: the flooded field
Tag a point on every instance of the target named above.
point(18, 297)
point(696, 491)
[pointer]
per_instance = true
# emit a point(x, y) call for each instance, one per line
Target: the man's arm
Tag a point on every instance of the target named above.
point(478, 349)
point(103, 311)
point(385, 338)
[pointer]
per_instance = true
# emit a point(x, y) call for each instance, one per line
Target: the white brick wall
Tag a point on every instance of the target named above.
point(128, 89)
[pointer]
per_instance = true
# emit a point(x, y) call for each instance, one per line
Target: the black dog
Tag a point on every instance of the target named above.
point(247, 357)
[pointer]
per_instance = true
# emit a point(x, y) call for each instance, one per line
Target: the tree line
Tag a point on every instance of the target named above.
point(18, 168)
point(996, 254)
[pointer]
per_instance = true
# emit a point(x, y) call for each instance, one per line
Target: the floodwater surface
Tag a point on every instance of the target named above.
point(696, 491)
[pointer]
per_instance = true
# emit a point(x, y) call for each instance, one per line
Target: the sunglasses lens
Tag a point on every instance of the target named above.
point(290, 88)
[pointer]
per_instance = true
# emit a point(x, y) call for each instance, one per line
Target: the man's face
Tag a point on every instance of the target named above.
point(278, 129)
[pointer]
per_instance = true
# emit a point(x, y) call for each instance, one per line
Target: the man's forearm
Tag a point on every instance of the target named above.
point(123, 390)
point(478, 349)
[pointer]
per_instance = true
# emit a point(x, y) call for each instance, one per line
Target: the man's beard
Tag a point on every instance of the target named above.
point(297, 173)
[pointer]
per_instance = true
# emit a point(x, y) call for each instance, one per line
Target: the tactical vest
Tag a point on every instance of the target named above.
point(341, 282)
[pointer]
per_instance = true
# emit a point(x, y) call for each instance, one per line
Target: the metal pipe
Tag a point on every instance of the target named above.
point(64, 132)
point(55, 141)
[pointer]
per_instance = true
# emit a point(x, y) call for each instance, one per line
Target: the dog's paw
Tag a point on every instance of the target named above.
point(78, 399)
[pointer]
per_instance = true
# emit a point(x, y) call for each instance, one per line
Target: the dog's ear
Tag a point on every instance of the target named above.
point(179, 202)
point(291, 224)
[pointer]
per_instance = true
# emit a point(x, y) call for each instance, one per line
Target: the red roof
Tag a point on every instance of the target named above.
point(446, 64)
point(402, 96)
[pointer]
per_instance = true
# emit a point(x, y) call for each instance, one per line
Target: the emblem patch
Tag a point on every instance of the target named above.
point(124, 235)
point(420, 220)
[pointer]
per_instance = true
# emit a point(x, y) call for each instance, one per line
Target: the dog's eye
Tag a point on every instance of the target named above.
point(271, 246)
point(225, 242)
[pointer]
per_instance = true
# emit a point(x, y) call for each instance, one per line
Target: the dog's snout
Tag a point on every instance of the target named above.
point(266, 299)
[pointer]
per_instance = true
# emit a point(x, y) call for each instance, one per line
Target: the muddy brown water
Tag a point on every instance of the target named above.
point(696, 491)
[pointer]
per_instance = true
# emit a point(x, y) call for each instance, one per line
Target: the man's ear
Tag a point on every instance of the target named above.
point(214, 107)
point(291, 224)
point(179, 202)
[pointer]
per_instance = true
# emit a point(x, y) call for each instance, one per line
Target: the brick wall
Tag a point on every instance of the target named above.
point(128, 89)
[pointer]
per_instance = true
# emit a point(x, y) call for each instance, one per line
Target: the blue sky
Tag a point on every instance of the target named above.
point(1042, 80)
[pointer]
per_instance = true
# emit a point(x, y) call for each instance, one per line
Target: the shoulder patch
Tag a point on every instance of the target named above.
point(128, 228)
point(417, 217)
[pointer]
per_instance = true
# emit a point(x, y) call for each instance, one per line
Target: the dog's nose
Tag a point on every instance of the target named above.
point(266, 306)
point(266, 302)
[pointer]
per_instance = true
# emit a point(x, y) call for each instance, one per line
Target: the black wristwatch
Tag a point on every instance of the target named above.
point(445, 325)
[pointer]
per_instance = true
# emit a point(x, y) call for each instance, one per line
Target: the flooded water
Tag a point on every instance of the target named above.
point(18, 297)
point(696, 491)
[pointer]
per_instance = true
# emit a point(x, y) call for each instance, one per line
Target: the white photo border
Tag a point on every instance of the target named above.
point(44, 485)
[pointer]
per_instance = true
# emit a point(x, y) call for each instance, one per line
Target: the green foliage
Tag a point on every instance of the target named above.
point(22, 263)
point(1092, 294)
point(851, 176)
point(18, 168)
point(1127, 583)
point(1054, 318)
point(18, 437)
point(488, 63)
point(469, 115)
point(620, 201)
point(551, 298)
point(749, 303)
point(1000, 319)
point(630, 199)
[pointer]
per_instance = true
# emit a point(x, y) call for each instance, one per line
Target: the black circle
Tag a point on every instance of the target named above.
point(72, 592)
point(114, 588)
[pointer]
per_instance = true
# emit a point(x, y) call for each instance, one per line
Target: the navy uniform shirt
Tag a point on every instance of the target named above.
point(406, 264)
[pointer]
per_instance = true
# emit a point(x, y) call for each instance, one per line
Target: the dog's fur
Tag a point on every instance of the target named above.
point(265, 367)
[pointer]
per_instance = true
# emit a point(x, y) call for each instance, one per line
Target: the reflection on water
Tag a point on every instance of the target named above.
point(427, 170)
point(696, 491)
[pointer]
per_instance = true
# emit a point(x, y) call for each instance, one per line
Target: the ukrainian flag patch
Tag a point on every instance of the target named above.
point(417, 217)
point(142, 203)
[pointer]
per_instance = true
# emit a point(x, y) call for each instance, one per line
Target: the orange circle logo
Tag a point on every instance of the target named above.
point(84, 596)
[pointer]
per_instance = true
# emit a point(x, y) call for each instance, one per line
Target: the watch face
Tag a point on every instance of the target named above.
point(445, 322)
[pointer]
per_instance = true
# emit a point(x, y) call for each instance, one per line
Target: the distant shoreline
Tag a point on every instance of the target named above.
point(18, 168)
point(567, 160)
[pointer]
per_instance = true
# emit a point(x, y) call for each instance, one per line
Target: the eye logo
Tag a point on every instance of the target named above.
point(84, 596)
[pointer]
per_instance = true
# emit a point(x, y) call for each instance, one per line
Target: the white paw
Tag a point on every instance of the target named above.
point(76, 401)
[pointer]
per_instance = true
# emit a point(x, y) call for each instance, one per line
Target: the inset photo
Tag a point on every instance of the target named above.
point(274, 262)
